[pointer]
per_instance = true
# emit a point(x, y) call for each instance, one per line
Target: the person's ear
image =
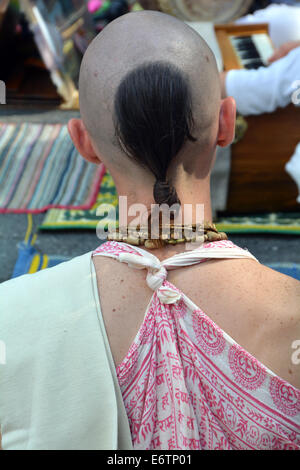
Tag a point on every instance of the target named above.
point(227, 122)
point(82, 141)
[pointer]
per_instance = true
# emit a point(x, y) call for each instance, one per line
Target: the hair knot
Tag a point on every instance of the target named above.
point(164, 193)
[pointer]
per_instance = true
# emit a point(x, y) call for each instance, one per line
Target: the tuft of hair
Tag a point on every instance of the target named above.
point(153, 119)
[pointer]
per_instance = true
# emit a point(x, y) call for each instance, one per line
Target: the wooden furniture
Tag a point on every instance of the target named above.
point(258, 181)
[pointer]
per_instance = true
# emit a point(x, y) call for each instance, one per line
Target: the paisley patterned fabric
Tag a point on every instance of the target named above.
point(185, 383)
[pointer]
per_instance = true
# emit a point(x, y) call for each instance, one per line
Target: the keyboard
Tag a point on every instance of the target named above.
point(252, 51)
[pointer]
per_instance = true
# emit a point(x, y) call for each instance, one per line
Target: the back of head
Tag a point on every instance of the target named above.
point(150, 98)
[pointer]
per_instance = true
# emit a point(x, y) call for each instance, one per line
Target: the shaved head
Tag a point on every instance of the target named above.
point(126, 44)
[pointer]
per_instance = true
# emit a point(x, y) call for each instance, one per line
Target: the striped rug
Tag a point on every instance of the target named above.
point(41, 169)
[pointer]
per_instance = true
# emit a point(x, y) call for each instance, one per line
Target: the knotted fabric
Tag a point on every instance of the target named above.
point(138, 258)
point(157, 274)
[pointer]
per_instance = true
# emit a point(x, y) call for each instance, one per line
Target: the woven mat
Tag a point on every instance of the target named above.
point(57, 219)
point(40, 169)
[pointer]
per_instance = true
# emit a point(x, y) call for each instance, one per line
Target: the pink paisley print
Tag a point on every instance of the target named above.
point(247, 371)
point(180, 308)
point(128, 367)
point(209, 336)
point(115, 249)
point(285, 397)
point(187, 385)
point(147, 329)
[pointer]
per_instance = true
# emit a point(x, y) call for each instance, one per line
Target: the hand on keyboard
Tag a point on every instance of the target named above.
point(283, 50)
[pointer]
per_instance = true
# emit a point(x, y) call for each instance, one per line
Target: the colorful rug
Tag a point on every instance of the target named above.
point(56, 219)
point(41, 169)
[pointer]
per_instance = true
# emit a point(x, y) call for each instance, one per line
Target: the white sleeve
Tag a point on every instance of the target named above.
point(283, 20)
point(267, 88)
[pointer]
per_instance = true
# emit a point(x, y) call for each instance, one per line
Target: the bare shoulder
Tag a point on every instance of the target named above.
point(243, 284)
point(280, 294)
point(257, 306)
point(280, 325)
point(266, 294)
point(271, 310)
point(269, 289)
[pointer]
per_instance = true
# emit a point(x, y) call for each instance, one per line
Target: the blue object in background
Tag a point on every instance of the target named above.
point(29, 259)
point(289, 269)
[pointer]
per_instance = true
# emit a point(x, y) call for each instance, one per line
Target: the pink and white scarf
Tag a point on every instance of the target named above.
point(186, 384)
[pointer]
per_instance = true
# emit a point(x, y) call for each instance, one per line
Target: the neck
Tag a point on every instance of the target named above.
point(191, 191)
point(194, 194)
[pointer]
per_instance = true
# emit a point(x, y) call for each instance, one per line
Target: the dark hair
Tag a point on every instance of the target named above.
point(153, 119)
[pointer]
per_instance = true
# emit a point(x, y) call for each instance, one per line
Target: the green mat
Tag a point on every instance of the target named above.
point(276, 223)
point(279, 223)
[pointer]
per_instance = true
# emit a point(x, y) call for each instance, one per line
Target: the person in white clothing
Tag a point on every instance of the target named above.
point(283, 20)
point(265, 89)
